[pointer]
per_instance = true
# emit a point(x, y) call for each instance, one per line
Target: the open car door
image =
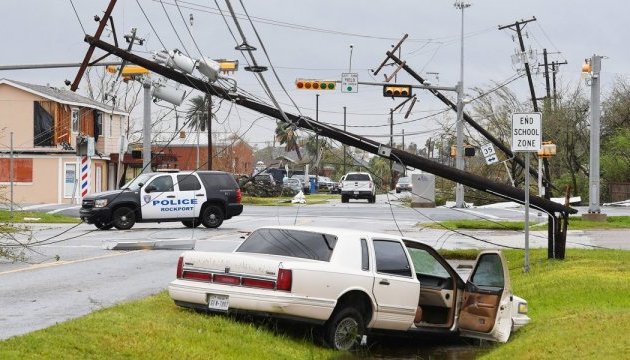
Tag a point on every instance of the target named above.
point(485, 312)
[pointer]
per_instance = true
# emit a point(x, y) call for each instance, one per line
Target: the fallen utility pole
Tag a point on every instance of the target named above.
point(53, 66)
point(401, 156)
point(467, 117)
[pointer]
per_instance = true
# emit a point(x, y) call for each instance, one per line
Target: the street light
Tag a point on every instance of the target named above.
point(459, 160)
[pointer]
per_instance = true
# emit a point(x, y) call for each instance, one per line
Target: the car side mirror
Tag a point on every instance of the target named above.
point(150, 188)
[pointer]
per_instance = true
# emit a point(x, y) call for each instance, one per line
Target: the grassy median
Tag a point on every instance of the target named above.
point(286, 200)
point(33, 217)
point(575, 223)
point(579, 307)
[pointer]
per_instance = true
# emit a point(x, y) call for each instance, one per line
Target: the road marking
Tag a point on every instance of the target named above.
point(33, 207)
point(482, 215)
point(62, 209)
point(62, 262)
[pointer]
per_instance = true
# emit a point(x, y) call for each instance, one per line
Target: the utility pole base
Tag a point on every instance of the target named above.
point(599, 217)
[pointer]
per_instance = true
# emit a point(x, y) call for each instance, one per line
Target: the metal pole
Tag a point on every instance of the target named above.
point(526, 212)
point(11, 177)
point(146, 127)
point(316, 167)
point(209, 128)
point(344, 145)
point(391, 145)
point(459, 156)
point(403, 149)
point(541, 190)
point(350, 65)
point(593, 176)
point(199, 118)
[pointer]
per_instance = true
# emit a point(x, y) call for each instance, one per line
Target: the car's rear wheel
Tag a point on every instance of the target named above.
point(344, 199)
point(344, 330)
point(191, 223)
point(123, 218)
point(212, 217)
point(101, 225)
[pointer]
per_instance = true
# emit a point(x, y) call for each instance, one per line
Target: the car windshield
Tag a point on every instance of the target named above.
point(404, 180)
point(357, 177)
point(287, 242)
point(136, 183)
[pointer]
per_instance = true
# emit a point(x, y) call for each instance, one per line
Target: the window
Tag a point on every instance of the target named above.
point(358, 177)
point(69, 179)
point(365, 257)
point(391, 258)
point(162, 183)
point(74, 116)
point(218, 181)
point(424, 263)
point(188, 183)
point(295, 243)
point(489, 271)
point(98, 123)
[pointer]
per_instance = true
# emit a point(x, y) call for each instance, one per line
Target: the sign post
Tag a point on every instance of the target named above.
point(349, 82)
point(526, 137)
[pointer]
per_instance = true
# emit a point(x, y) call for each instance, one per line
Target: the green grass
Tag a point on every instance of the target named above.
point(42, 218)
point(580, 309)
point(286, 200)
point(154, 328)
point(575, 223)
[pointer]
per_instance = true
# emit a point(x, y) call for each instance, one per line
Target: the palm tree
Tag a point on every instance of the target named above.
point(286, 135)
point(197, 113)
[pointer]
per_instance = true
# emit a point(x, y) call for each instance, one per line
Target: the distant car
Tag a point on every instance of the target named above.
point(265, 178)
point(324, 183)
point(306, 187)
point(293, 184)
point(352, 281)
point(403, 184)
point(358, 185)
point(337, 186)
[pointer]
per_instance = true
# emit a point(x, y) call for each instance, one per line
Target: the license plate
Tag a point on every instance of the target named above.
point(356, 193)
point(218, 302)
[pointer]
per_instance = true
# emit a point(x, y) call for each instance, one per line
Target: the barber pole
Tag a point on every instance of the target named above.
point(85, 175)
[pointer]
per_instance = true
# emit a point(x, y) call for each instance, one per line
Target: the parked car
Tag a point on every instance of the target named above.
point(265, 178)
point(337, 186)
point(194, 198)
point(351, 282)
point(324, 183)
point(403, 184)
point(306, 187)
point(358, 185)
point(293, 184)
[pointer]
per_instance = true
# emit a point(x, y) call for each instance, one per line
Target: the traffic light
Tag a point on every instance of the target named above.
point(306, 84)
point(397, 91)
point(128, 70)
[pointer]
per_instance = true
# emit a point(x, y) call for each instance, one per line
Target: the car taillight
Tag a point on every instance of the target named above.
point(264, 284)
point(239, 196)
point(195, 275)
point(369, 185)
point(285, 279)
point(227, 279)
point(180, 267)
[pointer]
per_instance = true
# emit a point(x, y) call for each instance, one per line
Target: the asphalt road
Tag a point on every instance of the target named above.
point(70, 274)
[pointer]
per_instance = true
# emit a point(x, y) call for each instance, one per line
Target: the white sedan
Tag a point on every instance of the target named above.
point(351, 282)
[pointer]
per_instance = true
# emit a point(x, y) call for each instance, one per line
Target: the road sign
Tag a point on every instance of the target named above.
point(526, 132)
point(489, 154)
point(349, 82)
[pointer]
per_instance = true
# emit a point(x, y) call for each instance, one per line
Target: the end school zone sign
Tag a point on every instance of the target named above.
point(526, 131)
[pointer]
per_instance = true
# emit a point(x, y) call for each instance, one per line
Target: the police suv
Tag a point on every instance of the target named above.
point(194, 198)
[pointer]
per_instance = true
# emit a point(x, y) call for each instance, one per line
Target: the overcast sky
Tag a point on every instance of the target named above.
point(311, 39)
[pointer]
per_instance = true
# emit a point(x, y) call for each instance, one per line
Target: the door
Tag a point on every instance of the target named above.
point(190, 194)
point(395, 289)
point(486, 307)
point(158, 198)
point(98, 174)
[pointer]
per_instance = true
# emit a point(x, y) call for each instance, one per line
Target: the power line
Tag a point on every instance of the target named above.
point(77, 15)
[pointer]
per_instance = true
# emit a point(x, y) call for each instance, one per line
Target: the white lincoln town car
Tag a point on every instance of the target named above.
point(351, 282)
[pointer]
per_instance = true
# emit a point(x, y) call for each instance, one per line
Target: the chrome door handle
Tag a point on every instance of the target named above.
point(384, 282)
point(200, 195)
point(171, 196)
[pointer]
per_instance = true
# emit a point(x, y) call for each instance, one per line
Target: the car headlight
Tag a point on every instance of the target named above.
point(100, 203)
point(522, 308)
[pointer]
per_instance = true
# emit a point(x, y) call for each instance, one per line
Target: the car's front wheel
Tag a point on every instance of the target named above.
point(123, 218)
point(212, 217)
point(344, 330)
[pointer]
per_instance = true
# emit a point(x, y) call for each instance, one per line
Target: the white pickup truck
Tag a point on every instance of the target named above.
point(351, 282)
point(357, 185)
